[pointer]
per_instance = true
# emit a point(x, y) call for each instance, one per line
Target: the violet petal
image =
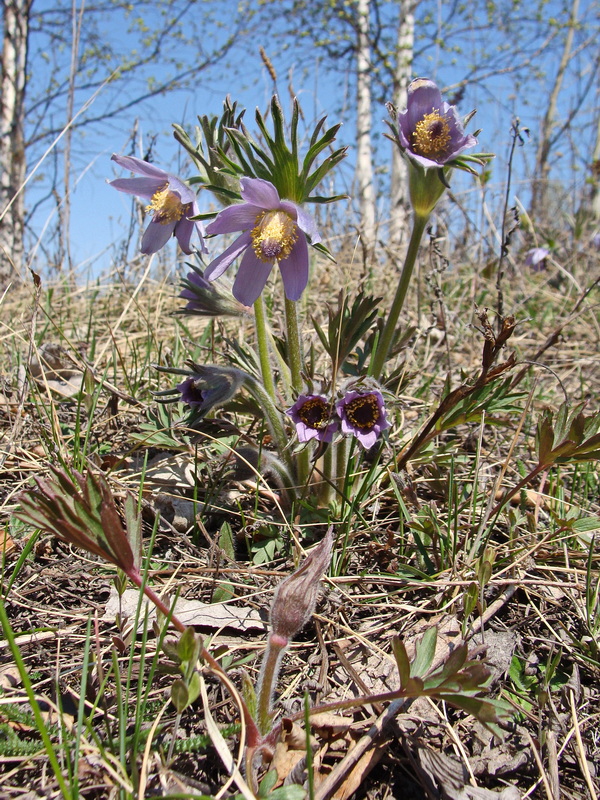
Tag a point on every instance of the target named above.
point(217, 267)
point(260, 193)
point(294, 269)
point(251, 278)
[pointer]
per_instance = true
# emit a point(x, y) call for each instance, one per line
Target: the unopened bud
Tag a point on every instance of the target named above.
point(296, 596)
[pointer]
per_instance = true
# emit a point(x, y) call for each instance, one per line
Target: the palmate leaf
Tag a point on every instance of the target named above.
point(458, 680)
point(568, 436)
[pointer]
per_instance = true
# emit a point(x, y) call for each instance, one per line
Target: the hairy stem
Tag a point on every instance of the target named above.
point(267, 681)
point(294, 344)
point(387, 336)
point(262, 340)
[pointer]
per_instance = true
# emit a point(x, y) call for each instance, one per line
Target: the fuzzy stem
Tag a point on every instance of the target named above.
point(341, 464)
point(262, 340)
point(294, 344)
point(267, 681)
point(274, 419)
point(387, 336)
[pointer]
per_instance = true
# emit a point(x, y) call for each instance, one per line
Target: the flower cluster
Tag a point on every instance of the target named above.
point(358, 413)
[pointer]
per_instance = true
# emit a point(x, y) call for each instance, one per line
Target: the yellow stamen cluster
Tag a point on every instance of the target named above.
point(274, 235)
point(167, 206)
point(315, 413)
point(363, 412)
point(431, 135)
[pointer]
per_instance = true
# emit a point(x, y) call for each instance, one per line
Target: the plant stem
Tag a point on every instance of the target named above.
point(266, 683)
point(294, 344)
point(262, 340)
point(387, 336)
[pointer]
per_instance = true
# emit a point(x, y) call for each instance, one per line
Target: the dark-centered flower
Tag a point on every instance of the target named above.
point(311, 414)
point(430, 130)
point(536, 258)
point(171, 202)
point(363, 415)
point(272, 230)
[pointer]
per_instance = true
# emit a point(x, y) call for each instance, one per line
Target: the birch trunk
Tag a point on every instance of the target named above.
point(364, 155)
point(399, 201)
point(542, 165)
point(12, 145)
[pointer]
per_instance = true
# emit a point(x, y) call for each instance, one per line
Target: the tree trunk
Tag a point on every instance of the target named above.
point(399, 199)
point(542, 165)
point(596, 176)
point(364, 155)
point(12, 146)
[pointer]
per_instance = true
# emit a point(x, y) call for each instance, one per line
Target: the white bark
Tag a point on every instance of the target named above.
point(399, 200)
point(542, 165)
point(364, 155)
point(12, 148)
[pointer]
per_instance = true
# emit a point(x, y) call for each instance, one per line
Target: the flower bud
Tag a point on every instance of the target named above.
point(296, 596)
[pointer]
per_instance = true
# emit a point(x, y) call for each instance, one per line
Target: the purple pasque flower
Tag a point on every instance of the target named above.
point(363, 415)
point(205, 299)
point(171, 201)
point(272, 230)
point(193, 391)
point(536, 258)
point(430, 130)
point(595, 240)
point(311, 414)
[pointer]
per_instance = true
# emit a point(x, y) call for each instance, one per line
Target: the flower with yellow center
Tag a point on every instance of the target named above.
point(167, 206)
point(430, 132)
point(431, 135)
point(272, 231)
point(274, 236)
point(172, 204)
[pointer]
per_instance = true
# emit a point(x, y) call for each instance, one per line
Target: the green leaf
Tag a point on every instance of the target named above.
point(402, 660)
point(179, 695)
point(425, 652)
point(188, 647)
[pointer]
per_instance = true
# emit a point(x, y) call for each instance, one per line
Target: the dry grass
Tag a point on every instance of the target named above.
point(412, 553)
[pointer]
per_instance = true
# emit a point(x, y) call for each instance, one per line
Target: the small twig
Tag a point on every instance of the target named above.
point(580, 748)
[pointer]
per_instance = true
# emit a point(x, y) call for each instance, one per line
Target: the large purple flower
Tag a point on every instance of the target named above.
point(172, 202)
point(536, 258)
point(430, 130)
point(363, 415)
point(272, 230)
point(311, 414)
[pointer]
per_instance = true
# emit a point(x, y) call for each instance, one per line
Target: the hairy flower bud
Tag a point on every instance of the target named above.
point(296, 596)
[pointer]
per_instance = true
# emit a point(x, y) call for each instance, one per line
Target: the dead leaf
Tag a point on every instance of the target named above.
point(361, 769)
point(190, 612)
point(453, 779)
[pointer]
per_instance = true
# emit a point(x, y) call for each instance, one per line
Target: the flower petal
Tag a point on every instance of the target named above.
point(306, 222)
point(423, 97)
point(260, 193)
point(186, 194)
point(235, 218)
point(156, 236)
point(141, 167)
point(294, 269)
point(218, 266)
point(142, 187)
point(183, 231)
point(251, 278)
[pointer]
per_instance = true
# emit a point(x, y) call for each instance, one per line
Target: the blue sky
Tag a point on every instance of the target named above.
point(101, 216)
